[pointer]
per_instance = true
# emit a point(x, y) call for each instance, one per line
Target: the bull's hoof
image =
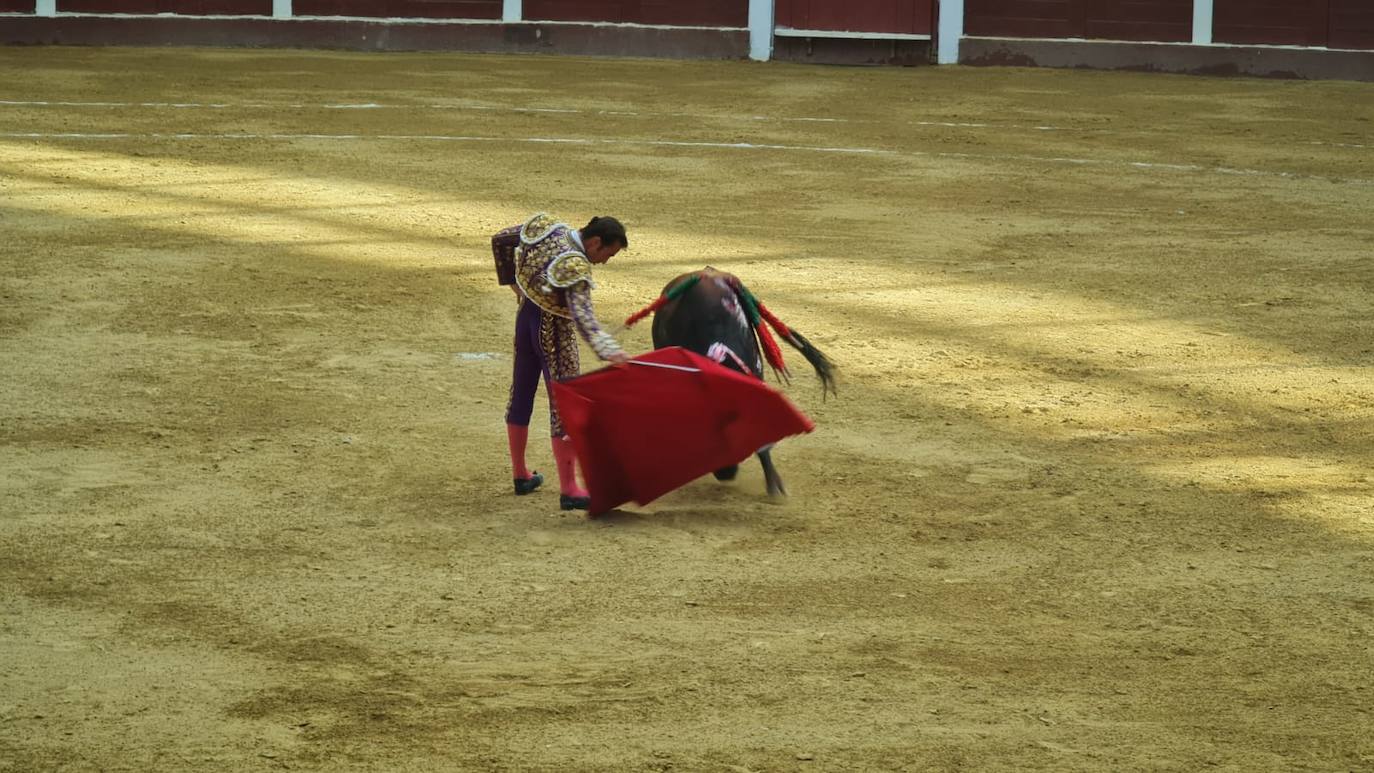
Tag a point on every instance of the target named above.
point(727, 473)
point(524, 486)
point(566, 502)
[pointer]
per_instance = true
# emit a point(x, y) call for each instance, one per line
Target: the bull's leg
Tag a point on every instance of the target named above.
point(727, 473)
point(770, 474)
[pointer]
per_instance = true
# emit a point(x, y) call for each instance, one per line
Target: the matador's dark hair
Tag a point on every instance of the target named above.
point(608, 228)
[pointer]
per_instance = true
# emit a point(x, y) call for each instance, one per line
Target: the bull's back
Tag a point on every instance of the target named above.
point(705, 317)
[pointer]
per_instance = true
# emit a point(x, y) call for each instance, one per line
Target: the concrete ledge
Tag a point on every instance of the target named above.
point(1261, 61)
point(832, 50)
point(788, 32)
point(367, 35)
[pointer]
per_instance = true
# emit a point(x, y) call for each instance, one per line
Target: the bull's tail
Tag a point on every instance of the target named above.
point(825, 369)
point(758, 315)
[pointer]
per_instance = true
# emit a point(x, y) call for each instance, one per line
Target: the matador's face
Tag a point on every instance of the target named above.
point(600, 252)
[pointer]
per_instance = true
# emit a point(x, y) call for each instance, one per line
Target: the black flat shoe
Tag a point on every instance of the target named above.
point(574, 503)
point(524, 486)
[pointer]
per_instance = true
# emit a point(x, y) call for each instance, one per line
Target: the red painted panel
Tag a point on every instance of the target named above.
point(400, 9)
point(701, 13)
point(204, 7)
point(1271, 22)
point(1025, 18)
point(446, 9)
point(577, 10)
point(107, 6)
point(1168, 21)
point(907, 17)
point(16, 6)
point(183, 7)
point(1352, 24)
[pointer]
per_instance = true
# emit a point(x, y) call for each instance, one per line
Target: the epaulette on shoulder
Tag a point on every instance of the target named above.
point(570, 268)
point(537, 228)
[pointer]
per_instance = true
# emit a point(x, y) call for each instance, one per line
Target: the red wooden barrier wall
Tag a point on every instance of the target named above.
point(1157, 20)
point(908, 17)
point(1161, 20)
point(1352, 24)
point(1285, 22)
point(1023, 18)
point(186, 7)
point(1332, 23)
point(412, 9)
point(696, 13)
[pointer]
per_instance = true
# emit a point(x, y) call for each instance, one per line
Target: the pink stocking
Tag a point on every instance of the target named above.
point(566, 458)
point(517, 435)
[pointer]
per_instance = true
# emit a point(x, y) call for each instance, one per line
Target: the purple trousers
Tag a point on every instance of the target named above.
point(544, 344)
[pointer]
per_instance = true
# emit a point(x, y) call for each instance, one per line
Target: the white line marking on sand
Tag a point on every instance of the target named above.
point(513, 109)
point(1146, 165)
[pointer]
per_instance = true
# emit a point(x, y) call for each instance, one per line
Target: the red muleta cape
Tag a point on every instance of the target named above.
point(665, 419)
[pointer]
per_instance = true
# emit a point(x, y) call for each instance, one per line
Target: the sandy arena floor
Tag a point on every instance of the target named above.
point(1097, 492)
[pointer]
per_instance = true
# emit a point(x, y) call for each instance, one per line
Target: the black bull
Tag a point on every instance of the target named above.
point(711, 318)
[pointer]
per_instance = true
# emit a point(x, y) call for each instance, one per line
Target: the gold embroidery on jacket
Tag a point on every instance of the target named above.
point(549, 264)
